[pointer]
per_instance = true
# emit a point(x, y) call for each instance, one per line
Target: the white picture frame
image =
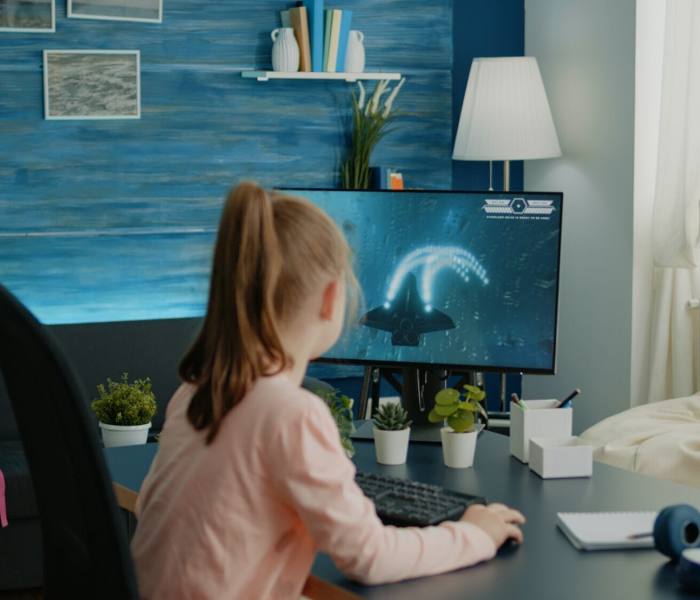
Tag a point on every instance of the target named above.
point(142, 11)
point(14, 12)
point(106, 87)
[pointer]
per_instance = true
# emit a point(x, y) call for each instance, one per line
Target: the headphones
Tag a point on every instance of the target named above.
point(677, 535)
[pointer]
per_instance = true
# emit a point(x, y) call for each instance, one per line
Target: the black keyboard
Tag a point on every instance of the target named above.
point(410, 503)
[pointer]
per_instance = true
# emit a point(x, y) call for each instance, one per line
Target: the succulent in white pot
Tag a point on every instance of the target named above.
point(459, 412)
point(124, 411)
point(392, 429)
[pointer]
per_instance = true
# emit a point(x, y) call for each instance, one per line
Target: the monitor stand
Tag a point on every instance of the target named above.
point(417, 388)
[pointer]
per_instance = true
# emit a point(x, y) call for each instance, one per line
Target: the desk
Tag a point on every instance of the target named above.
point(547, 566)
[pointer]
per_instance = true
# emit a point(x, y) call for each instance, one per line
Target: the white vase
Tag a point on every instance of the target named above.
point(285, 50)
point(124, 435)
point(355, 52)
point(458, 448)
point(391, 446)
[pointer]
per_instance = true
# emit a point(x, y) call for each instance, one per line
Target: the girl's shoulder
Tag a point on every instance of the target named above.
point(180, 400)
point(281, 395)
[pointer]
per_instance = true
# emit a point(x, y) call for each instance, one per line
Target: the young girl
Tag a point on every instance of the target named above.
point(250, 479)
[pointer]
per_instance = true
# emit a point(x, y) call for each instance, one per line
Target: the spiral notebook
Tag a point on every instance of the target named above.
point(608, 530)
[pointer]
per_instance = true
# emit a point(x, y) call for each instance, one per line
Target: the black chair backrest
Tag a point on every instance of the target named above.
point(86, 553)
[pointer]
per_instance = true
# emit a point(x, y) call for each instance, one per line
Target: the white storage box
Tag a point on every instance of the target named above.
point(553, 458)
point(539, 419)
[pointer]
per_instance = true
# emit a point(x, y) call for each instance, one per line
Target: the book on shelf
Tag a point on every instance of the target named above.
point(328, 22)
point(333, 40)
point(314, 10)
point(345, 22)
point(300, 23)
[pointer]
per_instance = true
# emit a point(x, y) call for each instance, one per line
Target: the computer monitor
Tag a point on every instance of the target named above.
point(455, 280)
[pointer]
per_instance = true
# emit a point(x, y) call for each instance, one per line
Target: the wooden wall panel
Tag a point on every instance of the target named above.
point(113, 220)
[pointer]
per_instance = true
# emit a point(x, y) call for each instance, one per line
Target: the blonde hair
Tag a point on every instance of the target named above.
point(272, 251)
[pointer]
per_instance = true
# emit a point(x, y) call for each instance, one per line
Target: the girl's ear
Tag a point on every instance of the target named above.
point(328, 300)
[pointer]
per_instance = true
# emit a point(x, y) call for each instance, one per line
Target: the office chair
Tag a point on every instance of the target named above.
point(86, 553)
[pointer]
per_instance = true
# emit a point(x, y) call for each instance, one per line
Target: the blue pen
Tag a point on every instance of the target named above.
point(563, 403)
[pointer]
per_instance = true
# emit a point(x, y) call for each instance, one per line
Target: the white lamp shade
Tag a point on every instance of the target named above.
point(505, 114)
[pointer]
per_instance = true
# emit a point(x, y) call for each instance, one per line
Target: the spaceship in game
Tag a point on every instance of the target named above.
point(407, 316)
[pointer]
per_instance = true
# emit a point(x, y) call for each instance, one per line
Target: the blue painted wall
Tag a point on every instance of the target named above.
point(483, 28)
point(112, 220)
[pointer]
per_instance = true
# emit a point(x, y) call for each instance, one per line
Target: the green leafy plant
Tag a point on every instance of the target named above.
point(124, 403)
point(458, 409)
point(340, 406)
point(391, 416)
point(370, 120)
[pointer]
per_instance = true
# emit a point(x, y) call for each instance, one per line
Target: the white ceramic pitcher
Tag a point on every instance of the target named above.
point(285, 50)
point(355, 53)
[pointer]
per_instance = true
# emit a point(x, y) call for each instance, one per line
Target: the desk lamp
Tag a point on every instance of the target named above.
point(505, 115)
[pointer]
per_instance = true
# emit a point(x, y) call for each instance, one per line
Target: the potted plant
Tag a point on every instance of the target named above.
point(370, 120)
point(459, 412)
point(340, 406)
point(392, 429)
point(124, 411)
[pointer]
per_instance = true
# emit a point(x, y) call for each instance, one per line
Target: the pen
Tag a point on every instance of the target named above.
point(516, 399)
point(639, 536)
point(569, 398)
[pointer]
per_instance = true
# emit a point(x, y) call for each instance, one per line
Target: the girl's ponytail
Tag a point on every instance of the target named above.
point(239, 341)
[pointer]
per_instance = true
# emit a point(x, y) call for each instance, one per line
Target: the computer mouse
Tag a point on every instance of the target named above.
point(508, 547)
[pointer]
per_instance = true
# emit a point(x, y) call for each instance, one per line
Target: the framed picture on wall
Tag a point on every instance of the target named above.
point(147, 11)
point(28, 16)
point(92, 84)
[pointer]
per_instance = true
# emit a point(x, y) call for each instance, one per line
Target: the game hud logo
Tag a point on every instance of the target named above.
point(518, 208)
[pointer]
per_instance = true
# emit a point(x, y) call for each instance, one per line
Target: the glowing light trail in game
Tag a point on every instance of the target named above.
point(432, 260)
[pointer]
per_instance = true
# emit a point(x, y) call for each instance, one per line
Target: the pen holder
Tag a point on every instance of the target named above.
point(539, 419)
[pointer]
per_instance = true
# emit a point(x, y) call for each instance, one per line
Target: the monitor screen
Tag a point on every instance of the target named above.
point(451, 279)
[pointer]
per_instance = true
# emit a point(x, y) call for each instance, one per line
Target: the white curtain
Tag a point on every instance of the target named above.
point(675, 335)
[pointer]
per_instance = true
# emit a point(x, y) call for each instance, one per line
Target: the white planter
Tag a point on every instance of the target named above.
point(285, 50)
point(391, 446)
point(124, 435)
point(458, 448)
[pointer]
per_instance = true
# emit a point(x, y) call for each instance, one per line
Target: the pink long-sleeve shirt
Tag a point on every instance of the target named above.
point(244, 516)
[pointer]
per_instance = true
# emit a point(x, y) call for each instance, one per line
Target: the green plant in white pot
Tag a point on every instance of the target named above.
point(392, 429)
point(124, 411)
point(340, 406)
point(459, 412)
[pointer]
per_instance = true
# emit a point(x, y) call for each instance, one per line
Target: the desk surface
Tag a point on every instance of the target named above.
point(546, 566)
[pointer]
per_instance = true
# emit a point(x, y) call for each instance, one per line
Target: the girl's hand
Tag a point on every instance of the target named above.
point(497, 520)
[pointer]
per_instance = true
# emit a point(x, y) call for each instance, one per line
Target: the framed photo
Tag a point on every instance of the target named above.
point(28, 16)
point(92, 84)
point(147, 11)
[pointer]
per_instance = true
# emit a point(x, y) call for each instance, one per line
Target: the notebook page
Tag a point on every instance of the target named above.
point(607, 530)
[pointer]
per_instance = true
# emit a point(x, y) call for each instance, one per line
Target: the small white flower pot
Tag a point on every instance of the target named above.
point(458, 448)
point(124, 435)
point(391, 446)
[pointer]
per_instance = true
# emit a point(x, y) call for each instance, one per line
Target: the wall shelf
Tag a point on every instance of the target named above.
point(267, 75)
